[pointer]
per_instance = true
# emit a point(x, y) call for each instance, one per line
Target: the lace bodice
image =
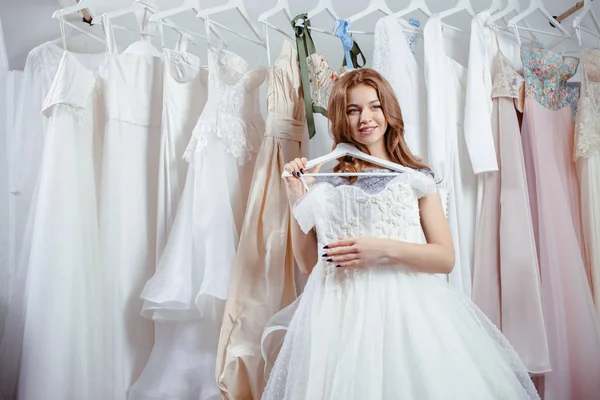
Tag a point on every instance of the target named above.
point(587, 128)
point(573, 95)
point(506, 82)
point(232, 111)
point(372, 206)
point(546, 74)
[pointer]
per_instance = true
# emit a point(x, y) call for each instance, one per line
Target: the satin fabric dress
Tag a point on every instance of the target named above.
point(264, 274)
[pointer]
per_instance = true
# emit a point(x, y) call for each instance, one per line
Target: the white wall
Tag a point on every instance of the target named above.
point(28, 23)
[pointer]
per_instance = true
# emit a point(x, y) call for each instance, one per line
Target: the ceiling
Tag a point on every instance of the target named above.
point(28, 23)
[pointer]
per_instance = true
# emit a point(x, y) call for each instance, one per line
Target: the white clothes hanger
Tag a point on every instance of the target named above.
point(140, 5)
point(461, 5)
point(281, 6)
point(321, 7)
point(374, 6)
point(414, 5)
point(536, 5)
point(237, 5)
point(60, 15)
point(193, 5)
point(346, 149)
point(585, 11)
point(495, 6)
point(511, 6)
point(417, 5)
point(81, 5)
point(63, 39)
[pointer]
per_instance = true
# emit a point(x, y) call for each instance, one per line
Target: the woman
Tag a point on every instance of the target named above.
point(375, 322)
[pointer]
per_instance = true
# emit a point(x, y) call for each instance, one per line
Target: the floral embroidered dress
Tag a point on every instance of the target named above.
point(571, 322)
point(587, 156)
point(384, 331)
point(318, 78)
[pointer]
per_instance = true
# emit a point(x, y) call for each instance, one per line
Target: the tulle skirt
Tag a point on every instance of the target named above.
point(389, 333)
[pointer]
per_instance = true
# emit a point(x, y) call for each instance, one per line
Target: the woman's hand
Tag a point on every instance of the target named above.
point(355, 252)
point(294, 185)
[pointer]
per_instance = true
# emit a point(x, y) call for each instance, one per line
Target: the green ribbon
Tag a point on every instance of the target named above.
point(305, 47)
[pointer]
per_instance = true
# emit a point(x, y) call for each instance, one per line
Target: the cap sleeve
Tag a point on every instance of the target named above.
point(306, 208)
point(423, 184)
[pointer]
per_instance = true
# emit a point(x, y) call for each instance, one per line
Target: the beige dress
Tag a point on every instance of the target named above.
point(506, 279)
point(263, 280)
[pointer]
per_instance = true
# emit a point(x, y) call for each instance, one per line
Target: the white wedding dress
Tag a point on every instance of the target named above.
point(186, 296)
point(57, 319)
point(385, 331)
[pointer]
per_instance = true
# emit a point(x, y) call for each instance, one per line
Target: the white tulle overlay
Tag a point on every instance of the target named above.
point(384, 331)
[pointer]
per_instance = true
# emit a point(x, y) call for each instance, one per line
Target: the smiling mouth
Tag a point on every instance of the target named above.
point(367, 130)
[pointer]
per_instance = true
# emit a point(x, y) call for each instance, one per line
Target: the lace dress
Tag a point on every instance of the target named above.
point(506, 278)
point(188, 291)
point(385, 331)
point(397, 63)
point(572, 325)
point(587, 156)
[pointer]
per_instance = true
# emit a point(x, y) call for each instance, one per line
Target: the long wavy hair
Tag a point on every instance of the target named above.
point(397, 149)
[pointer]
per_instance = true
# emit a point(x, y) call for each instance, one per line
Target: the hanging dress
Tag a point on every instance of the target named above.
point(587, 156)
point(318, 79)
point(263, 279)
point(395, 60)
point(31, 241)
point(506, 281)
point(59, 323)
point(446, 149)
point(184, 96)
point(385, 331)
point(572, 326)
point(132, 85)
point(188, 291)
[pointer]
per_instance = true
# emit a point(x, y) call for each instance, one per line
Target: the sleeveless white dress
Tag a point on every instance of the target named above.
point(385, 331)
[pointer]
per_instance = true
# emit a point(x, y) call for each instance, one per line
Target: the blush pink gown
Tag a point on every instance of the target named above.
point(571, 324)
point(506, 278)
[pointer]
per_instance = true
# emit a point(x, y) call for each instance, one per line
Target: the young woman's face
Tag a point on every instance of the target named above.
point(367, 122)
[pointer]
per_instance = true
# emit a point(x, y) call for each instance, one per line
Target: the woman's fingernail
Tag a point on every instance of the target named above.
point(301, 170)
point(329, 260)
point(337, 266)
point(325, 247)
point(325, 255)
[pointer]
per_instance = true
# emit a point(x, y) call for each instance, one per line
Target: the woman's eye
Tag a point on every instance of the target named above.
point(378, 106)
point(352, 111)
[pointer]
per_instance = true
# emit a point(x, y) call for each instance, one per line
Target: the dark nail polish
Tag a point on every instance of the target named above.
point(301, 170)
point(325, 255)
point(325, 247)
point(329, 260)
point(337, 266)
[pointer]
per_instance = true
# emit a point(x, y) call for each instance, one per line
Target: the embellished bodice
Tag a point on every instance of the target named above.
point(546, 74)
point(587, 128)
point(321, 77)
point(385, 207)
point(232, 111)
point(506, 82)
